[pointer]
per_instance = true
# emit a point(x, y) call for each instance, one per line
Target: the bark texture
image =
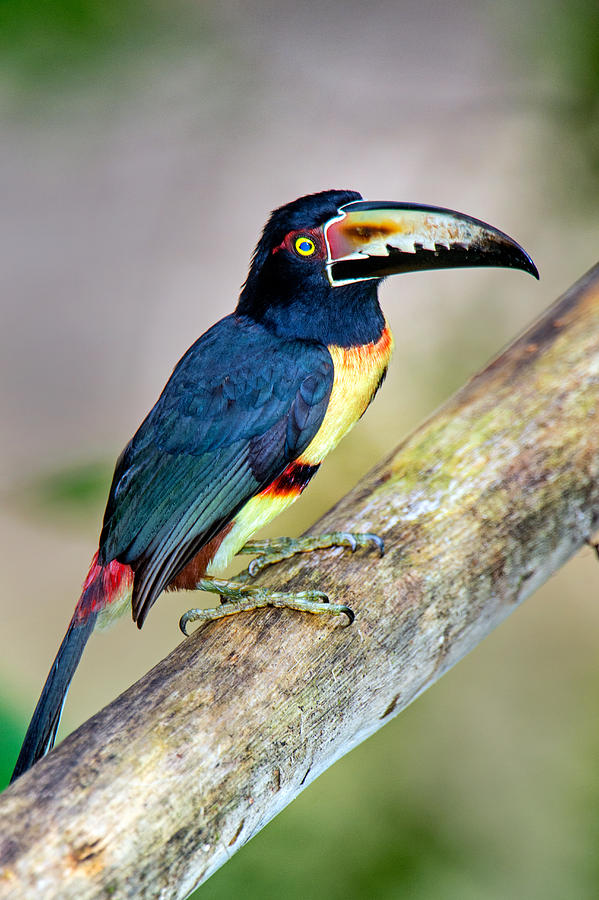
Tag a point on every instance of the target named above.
point(478, 508)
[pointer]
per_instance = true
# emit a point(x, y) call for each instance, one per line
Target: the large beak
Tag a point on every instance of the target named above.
point(372, 240)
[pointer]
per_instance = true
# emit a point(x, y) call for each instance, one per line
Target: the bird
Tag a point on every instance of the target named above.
point(250, 412)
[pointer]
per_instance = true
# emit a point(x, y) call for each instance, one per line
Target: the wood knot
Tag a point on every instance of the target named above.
point(89, 855)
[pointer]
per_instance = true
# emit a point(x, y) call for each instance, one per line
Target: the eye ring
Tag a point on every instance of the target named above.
point(304, 246)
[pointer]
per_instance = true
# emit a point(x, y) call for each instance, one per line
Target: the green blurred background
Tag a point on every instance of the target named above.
point(142, 148)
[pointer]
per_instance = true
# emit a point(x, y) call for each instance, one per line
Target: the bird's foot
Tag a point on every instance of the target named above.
point(273, 550)
point(236, 598)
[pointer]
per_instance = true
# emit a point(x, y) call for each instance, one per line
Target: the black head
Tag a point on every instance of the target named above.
point(288, 288)
point(283, 265)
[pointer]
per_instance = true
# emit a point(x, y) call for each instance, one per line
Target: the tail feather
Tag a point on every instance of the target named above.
point(41, 733)
point(105, 586)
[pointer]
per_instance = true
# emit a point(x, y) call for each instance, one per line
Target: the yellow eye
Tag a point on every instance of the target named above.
point(305, 246)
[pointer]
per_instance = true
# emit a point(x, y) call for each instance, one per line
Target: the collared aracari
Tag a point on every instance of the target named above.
point(252, 409)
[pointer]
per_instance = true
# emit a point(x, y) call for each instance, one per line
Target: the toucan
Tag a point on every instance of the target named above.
point(250, 412)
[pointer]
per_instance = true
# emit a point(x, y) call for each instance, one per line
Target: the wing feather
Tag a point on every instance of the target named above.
point(239, 406)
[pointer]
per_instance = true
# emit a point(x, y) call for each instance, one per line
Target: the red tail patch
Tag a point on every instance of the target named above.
point(102, 586)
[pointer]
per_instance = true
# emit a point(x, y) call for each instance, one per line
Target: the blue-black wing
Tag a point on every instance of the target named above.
point(240, 405)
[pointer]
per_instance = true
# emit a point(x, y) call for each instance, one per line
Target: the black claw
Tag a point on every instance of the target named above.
point(350, 615)
point(379, 542)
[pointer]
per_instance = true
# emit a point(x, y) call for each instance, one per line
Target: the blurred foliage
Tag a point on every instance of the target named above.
point(55, 43)
point(560, 43)
point(67, 495)
point(11, 735)
point(573, 48)
point(75, 489)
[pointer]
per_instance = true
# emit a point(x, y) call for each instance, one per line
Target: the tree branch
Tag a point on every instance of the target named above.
point(478, 508)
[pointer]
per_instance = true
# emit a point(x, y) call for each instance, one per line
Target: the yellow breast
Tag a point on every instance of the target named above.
point(358, 373)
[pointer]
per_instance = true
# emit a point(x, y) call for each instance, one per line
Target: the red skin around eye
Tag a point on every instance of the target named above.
point(289, 240)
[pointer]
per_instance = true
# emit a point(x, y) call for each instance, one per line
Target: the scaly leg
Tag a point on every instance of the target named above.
point(273, 550)
point(241, 598)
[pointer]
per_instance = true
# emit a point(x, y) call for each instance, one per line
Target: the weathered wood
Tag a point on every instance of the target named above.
point(478, 507)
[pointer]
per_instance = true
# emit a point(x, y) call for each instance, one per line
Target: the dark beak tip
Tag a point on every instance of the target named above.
point(527, 265)
point(516, 257)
